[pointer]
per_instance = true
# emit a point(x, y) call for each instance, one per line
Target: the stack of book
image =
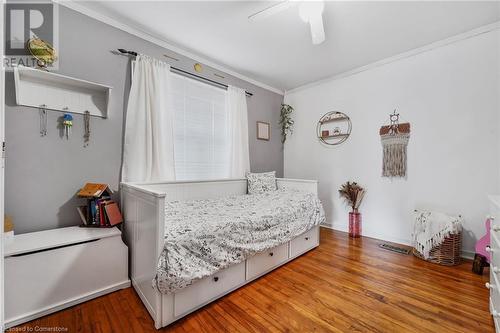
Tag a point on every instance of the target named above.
point(100, 211)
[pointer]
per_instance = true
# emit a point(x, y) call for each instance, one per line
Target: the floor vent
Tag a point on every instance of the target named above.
point(393, 248)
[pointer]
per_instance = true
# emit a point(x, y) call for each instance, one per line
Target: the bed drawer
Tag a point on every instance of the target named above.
point(304, 242)
point(266, 260)
point(208, 288)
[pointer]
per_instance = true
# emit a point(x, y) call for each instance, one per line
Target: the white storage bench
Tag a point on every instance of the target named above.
point(51, 270)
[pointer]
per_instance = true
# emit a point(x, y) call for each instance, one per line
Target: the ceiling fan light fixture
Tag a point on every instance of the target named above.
point(317, 30)
point(312, 12)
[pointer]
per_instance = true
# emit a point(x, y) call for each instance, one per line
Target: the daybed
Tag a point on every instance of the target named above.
point(157, 264)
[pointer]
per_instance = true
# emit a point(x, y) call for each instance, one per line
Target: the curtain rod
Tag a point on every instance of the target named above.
point(188, 74)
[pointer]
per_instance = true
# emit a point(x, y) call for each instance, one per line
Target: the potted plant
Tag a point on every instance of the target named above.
point(353, 195)
point(286, 121)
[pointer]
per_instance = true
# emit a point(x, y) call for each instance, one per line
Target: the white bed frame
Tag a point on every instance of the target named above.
point(143, 207)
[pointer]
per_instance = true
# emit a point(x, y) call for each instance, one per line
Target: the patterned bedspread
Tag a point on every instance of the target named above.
point(205, 236)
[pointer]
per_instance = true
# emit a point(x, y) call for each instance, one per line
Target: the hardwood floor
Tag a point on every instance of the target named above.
point(345, 285)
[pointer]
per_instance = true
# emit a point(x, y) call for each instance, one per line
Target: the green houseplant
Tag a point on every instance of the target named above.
point(286, 121)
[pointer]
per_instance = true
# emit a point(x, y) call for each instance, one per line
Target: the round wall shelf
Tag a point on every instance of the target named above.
point(333, 128)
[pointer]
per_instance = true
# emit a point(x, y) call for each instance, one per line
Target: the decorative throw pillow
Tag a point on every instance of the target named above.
point(261, 182)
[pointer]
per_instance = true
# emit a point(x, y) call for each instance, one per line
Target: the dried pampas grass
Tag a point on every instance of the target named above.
point(353, 194)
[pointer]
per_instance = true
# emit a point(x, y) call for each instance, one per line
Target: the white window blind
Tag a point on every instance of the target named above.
point(201, 142)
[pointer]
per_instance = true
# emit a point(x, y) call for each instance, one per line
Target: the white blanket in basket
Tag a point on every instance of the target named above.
point(431, 228)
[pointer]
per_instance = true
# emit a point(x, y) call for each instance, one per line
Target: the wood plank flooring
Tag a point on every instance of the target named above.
point(345, 285)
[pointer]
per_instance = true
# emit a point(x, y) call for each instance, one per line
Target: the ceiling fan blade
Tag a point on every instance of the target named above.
point(271, 10)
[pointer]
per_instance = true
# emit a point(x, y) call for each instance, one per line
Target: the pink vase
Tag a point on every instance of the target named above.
point(354, 224)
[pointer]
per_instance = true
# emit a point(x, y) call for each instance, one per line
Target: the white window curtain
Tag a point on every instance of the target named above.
point(148, 153)
point(239, 155)
point(201, 125)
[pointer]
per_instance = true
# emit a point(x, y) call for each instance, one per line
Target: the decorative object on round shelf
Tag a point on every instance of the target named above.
point(333, 128)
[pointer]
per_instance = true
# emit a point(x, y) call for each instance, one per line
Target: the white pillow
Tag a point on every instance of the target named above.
point(261, 182)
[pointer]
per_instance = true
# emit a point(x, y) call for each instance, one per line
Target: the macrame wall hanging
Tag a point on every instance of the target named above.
point(394, 139)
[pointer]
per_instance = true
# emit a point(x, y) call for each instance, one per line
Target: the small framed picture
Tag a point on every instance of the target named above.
point(263, 131)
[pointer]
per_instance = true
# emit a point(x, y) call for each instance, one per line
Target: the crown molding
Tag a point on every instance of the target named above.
point(74, 5)
point(426, 48)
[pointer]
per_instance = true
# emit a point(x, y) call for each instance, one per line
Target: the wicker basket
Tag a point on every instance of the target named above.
point(447, 253)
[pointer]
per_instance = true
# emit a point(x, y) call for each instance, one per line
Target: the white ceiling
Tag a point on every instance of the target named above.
point(278, 51)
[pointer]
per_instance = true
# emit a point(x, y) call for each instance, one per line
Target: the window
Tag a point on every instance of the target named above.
point(201, 141)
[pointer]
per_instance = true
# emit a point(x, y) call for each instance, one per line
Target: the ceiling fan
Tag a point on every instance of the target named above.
point(309, 11)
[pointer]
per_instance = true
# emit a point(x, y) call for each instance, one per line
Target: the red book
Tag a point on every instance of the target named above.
point(113, 213)
point(101, 214)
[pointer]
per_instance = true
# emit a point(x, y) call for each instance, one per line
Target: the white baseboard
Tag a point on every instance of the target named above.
point(386, 238)
point(66, 304)
point(465, 254)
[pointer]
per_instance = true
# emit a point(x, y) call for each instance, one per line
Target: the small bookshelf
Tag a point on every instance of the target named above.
point(100, 210)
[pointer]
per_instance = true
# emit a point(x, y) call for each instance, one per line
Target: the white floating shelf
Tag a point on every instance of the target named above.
point(38, 88)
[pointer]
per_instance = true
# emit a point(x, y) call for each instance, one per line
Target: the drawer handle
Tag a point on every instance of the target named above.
point(307, 238)
point(271, 254)
point(496, 228)
point(488, 285)
point(216, 278)
point(488, 249)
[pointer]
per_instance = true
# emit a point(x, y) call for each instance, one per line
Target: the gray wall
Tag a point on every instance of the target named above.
point(43, 174)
